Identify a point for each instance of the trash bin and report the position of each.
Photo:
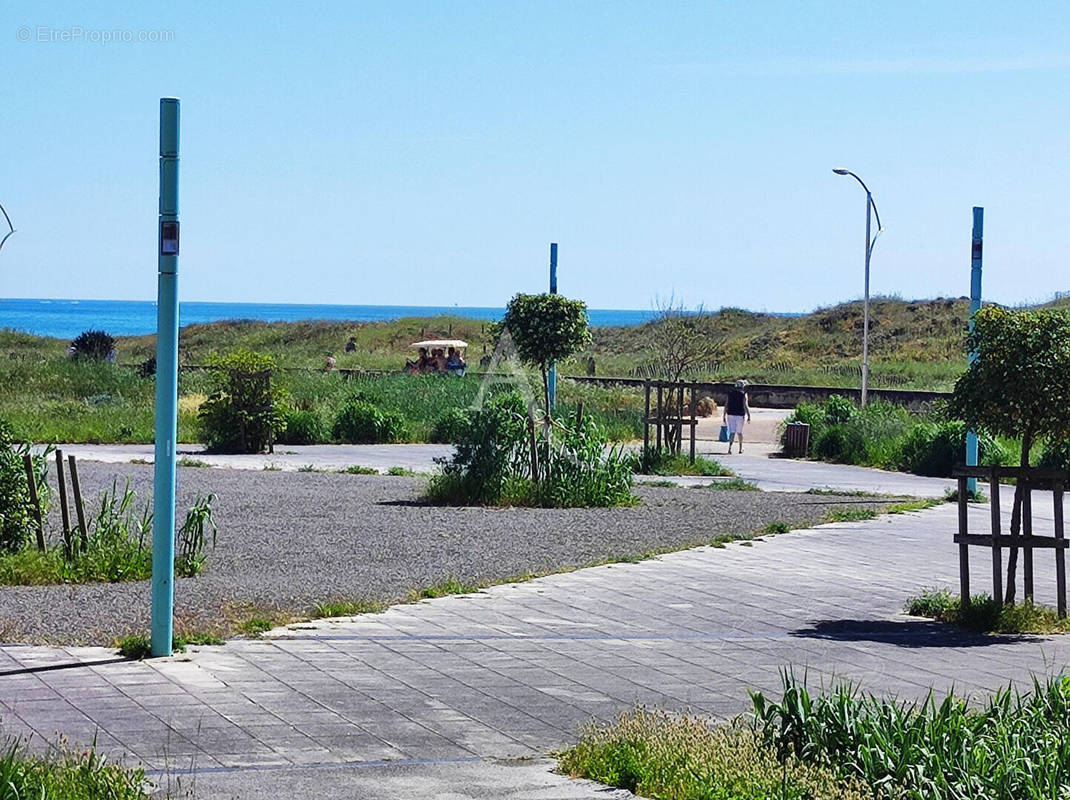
(797, 440)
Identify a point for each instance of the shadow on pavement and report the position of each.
(67, 665)
(904, 633)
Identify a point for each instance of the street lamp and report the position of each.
(869, 250)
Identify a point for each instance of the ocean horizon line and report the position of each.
(65, 318)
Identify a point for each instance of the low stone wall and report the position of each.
(764, 395)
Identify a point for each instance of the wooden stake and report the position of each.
(579, 413)
(997, 558)
(35, 501)
(65, 512)
(534, 449)
(79, 506)
(964, 549)
(1060, 552)
(1027, 532)
(693, 426)
(646, 416)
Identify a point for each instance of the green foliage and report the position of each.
(447, 587)
(360, 422)
(302, 427)
(1056, 455)
(546, 328)
(1011, 747)
(345, 608)
(734, 485)
(450, 428)
(492, 465)
(983, 615)
(934, 448)
(93, 345)
(14, 495)
(118, 546)
(850, 515)
(134, 646)
(357, 469)
(255, 626)
(193, 537)
(653, 461)
(244, 409)
(887, 436)
(1019, 384)
(680, 757)
(66, 775)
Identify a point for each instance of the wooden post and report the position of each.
(646, 416)
(1027, 532)
(997, 559)
(1060, 552)
(35, 501)
(694, 387)
(659, 414)
(579, 414)
(679, 418)
(534, 449)
(79, 506)
(964, 549)
(65, 512)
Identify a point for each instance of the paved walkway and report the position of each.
(440, 699)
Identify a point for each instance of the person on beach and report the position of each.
(735, 411)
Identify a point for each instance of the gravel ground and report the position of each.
(288, 540)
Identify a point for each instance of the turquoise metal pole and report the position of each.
(552, 382)
(976, 251)
(163, 519)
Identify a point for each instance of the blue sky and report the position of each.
(427, 153)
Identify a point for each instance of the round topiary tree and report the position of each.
(546, 328)
(1018, 386)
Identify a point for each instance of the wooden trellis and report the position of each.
(996, 541)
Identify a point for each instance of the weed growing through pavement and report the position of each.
(402, 472)
(357, 469)
(447, 587)
(186, 461)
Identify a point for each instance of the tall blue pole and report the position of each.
(975, 305)
(552, 382)
(163, 512)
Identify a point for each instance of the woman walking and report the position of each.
(735, 410)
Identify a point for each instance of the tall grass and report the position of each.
(843, 744)
(66, 776)
(1014, 746)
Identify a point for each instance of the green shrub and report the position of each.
(1056, 456)
(492, 464)
(94, 345)
(935, 448)
(839, 410)
(302, 427)
(982, 614)
(14, 495)
(243, 412)
(360, 422)
(450, 428)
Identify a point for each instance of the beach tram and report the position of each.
(438, 357)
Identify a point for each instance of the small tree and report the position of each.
(546, 328)
(243, 411)
(1019, 386)
(679, 343)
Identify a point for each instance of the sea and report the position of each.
(65, 319)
